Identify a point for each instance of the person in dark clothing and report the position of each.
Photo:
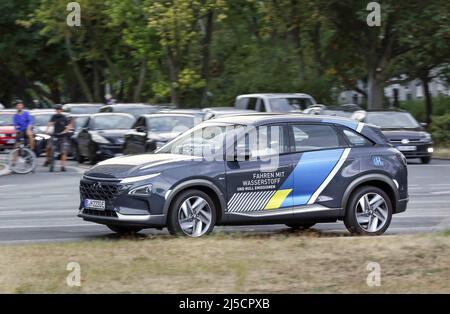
(61, 127)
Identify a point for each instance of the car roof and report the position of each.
(168, 114)
(277, 95)
(131, 105)
(111, 114)
(83, 104)
(264, 118)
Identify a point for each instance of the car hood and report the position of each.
(137, 165)
(7, 129)
(163, 137)
(392, 134)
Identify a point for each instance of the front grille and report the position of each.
(101, 191)
(399, 141)
(99, 213)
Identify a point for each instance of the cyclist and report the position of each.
(61, 127)
(24, 125)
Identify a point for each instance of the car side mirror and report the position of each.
(141, 129)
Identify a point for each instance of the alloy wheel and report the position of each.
(195, 216)
(372, 212)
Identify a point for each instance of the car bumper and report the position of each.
(401, 206)
(121, 207)
(7, 142)
(420, 151)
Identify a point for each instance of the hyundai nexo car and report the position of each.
(297, 170)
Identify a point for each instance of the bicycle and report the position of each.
(22, 160)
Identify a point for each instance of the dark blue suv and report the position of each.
(253, 169)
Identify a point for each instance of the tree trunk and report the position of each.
(375, 91)
(141, 81)
(79, 76)
(206, 54)
(174, 72)
(428, 99)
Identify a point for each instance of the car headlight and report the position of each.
(426, 137)
(99, 139)
(140, 178)
(2, 135)
(142, 190)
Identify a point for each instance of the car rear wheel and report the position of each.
(124, 230)
(369, 211)
(300, 226)
(192, 214)
(426, 160)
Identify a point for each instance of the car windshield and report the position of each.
(137, 112)
(198, 142)
(113, 122)
(41, 119)
(6, 119)
(289, 104)
(79, 122)
(170, 124)
(84, 109)
(392, 120)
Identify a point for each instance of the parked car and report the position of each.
(78, 121)
(136, 110)
(326, 169)
(274, 102)
(102, 136)
(7, 130)
(402, 131)
(41, 117)
(151, 132)
(82, 108)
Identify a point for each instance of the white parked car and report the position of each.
(294, 102)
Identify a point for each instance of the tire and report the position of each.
(93, 158)
(300, 226)
(124, 230)
(199, 220)
(425, 160)
(378, 218)
(78, 156)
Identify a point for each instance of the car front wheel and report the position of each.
(192, 214)
(369, 211)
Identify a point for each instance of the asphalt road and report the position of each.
(42, 207)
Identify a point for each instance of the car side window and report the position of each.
(314, 137)
(264, 140)
(252, 103)
(356, 140)
(260, 105)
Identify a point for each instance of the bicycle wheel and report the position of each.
(22, 160)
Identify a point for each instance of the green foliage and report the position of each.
(441, 106)
(440, 130)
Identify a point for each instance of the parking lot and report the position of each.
(43, 207)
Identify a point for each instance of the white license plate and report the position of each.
(407, 148)
(10, 141)
(95, 204)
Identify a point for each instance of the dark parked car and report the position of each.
(82, 108)
(78, 121)
(102, 136)
(402, 131)
(41, 117)
(136, 110)
(151, 132)
(312, 169)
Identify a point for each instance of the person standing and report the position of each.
(23, 122)
(61, 127)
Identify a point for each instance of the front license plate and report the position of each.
(10, 141)
(95, 204)
(407, 148)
